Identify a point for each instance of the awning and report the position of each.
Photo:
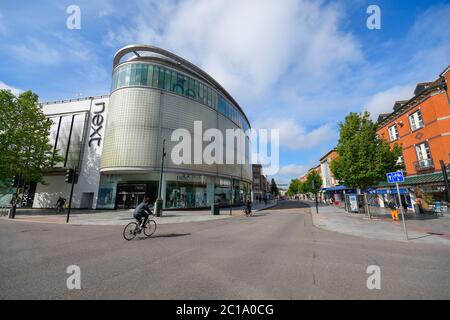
(336, 188)
(417, 179)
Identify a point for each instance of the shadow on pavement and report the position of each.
(420, 237)
(168, 235)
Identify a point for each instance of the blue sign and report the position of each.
(393, 177)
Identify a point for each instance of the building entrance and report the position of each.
(129, 195)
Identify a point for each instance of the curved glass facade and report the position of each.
(150, 75)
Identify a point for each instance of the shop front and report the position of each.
(179, 190)
(432, 198)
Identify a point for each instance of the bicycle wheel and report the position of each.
(151, 228)
(130, 231)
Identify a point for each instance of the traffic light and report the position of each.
(15, 181)
(70, 175)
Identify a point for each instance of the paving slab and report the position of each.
(421, 231)
(122, 217)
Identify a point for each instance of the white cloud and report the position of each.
(383, 102)
(294, 136)
(295, 170)
(35, 51)
(13, 90)
(248, 46)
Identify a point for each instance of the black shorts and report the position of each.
(139, 216)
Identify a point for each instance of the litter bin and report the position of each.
(215, 210)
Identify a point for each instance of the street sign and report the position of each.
(396, 177)
(393, 177)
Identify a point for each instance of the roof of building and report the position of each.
(445, 71)
(399, 103)
(420, 94)
(161, 54)
(414, 101)
(381, 116)
(74, 100)
(327, 154)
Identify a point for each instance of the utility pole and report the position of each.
(401, 210)
(159, 201)
(313, 185)
(72, 178)
(446, 183)
(16, 184)
(231, 197)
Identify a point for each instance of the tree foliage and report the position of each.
(294, 187)
(364, 158)
(309, 185)
(24, 142)
(298, 187)
(274, 188)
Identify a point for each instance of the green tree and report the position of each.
(364, 158)
(274, 188)
(24, 144)
(309, 185)
(303, 188)
(294, 187)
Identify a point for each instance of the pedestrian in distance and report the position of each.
(394, 211)
(248, 207)
(405, 206)
(60, 204)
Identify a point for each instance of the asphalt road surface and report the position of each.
(277, 254)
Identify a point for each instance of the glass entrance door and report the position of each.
(130, 195)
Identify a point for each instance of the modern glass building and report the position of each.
(115, 142)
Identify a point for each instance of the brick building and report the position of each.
(421, 125)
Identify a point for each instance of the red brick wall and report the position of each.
(436, 131)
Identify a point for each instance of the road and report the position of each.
(277, 254)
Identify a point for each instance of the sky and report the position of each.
(296, 65)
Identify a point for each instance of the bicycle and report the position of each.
(132, 229)
(248, 211)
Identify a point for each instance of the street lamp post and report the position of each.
(159, 201)
(231, 197)
(313, 185)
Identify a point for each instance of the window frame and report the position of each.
(412, 121)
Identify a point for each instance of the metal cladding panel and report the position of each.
(138, 117)
(132, 128)
(181, 113)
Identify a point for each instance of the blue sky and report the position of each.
(299, 66)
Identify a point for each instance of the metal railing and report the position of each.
(425, 164)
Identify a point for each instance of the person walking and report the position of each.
(394, 211)
(60, 204)
(404, 205)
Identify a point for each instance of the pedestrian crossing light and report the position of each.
(70, 175)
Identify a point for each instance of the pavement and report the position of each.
(276, 254)
(122, 217)
(432, 230)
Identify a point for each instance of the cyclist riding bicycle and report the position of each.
(142, 211)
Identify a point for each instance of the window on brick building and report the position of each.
(415, 120)
(393, 132)
(424, 155)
